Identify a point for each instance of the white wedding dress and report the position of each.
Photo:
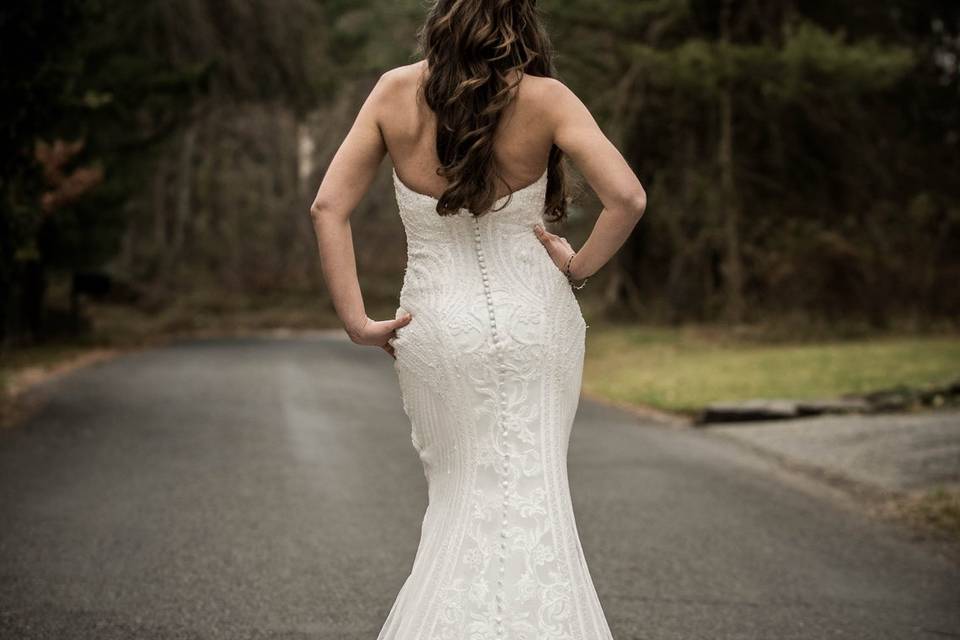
(490, 369)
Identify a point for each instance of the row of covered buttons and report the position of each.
(506, 454)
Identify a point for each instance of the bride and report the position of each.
(488, 338)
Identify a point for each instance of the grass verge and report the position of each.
(683, 369)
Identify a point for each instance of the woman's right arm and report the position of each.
(624, 200)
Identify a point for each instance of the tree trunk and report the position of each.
(733, 264)
(33, 293)
(182, 203)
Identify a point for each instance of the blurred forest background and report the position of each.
(159, 159)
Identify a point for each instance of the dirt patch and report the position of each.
(16, 403)
(934, 511)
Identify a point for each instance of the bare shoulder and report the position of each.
(393, 89)
(557, 100)
(541, 86)
(402, 77)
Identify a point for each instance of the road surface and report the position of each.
(267, 488)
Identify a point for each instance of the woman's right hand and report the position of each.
(378, 333)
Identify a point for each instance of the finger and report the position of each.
(402, 321)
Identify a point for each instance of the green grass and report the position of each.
(683, 369)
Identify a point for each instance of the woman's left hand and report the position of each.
(557, 247)
(378, 333)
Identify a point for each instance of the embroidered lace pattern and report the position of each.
(490, 369)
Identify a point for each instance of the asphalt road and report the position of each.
(267, 488)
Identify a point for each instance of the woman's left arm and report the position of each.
(350, 174)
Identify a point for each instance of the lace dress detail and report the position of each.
(490, 369)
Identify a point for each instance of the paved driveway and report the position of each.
(267, 488)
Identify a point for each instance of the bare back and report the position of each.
(521, 145)
(394, 121)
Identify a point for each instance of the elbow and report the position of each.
(316, 210)
(637, 204)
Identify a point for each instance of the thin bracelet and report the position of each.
(566, 271)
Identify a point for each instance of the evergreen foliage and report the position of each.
(801, 158)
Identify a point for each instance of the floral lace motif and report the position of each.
(490, 371)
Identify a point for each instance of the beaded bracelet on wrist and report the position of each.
(566, 271)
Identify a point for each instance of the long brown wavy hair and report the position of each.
(474, 50)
